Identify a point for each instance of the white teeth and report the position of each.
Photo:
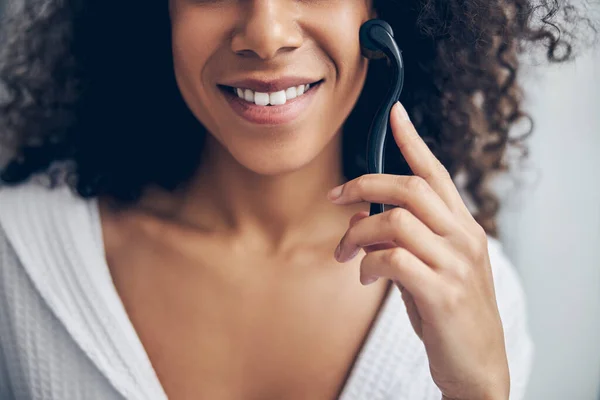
(261, 99)
(291, 93)
(248, 95)
(277, 98)
(274, 99)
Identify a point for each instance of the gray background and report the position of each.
(551, 228)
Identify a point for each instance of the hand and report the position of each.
(433, 249)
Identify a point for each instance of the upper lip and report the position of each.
(270, 86)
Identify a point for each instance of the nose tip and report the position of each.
(266, 31)
(264, 51)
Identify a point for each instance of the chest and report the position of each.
(231, 328)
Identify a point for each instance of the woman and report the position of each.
(195, 259)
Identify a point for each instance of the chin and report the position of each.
(277, 162)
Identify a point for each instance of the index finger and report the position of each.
(422, 161)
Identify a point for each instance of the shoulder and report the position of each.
(15, 231)
(11, 291)
(33, 217)
(40, 293)
(35, 190)
(8, 258)
(35, 203)
(23, 208)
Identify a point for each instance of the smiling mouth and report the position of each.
(270, 99)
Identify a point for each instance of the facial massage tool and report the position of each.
(377, 41)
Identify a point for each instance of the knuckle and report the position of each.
(452, 300)
(481, 234)
(472, 246)
(461, 273)
(399, 180)
(397, 216)
(398, 256)
(360, 184)
(477, 243)
(416, 184)
(401, 195)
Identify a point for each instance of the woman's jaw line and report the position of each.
(228, 197)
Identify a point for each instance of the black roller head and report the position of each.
(370, 48)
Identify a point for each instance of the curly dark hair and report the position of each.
(92, 84)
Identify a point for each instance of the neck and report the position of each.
(278, 210)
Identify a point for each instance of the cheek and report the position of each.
(340, 40)
(195, 36)
(340, 46)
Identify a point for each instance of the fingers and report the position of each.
(409, 192)
(379, 246)
(399, 264)
(357, 217)
(400, 227)
(422, 161)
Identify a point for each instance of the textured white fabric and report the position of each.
(64, 333)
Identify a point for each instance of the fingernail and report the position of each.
(335, 193)
(354, 254)
(338, 249)
(402, 112)
(369, 280)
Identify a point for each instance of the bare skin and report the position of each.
(231, 282)
(222, 318)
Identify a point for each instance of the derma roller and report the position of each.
(377, 41)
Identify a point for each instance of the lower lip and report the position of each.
(271, 115)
